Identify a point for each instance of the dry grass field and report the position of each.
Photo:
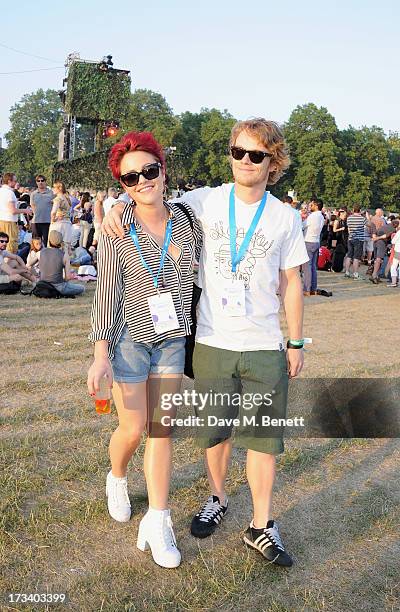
(337, 501)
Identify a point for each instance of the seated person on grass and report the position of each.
(32, 262)
(12, 267)
(54, 262)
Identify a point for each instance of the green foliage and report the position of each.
(312, 136)
(33, 137)
(96, 94)
(307, 127)
(341, 166)
(319, 173)
(391, 192)
(88, 172)
(358, 190)
(149, 111)
(367, 150)
(210, 162)
(2, 161)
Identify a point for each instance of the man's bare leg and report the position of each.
(260, 469)
(377, 266)
(217, 461)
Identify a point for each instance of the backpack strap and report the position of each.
(185, 211)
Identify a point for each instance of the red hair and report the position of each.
(134, 141)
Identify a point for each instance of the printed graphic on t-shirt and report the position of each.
(258, 249)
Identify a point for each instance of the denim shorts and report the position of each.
(134, 361)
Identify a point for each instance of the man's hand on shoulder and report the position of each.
(112, 225)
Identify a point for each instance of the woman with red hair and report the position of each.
(140, 317)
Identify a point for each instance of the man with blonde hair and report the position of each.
(239, 345)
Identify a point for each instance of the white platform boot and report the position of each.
(156, 533)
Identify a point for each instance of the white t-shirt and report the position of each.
(6, 196)
(33, 260)
(313, 226)
(396, 241)
(277, 244)
(109, 203)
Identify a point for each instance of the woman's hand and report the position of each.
(111, 225)
(100, 367)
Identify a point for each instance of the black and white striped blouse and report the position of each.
(123, 284)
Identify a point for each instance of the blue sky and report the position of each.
(252, 58)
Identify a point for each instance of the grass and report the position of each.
(337, 501)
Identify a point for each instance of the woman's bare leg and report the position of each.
(131, 403)
(158, 453)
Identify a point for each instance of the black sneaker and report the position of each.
(268, 542)
(207, 520)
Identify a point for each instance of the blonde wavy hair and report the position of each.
(270, 135)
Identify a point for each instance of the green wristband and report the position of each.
(297, 342)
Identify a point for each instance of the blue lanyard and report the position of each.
(236, 258)
(167, 240)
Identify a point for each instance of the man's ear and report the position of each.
(273, 166)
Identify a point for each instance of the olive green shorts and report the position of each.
(246, 391)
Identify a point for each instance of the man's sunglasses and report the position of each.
(4, 241)
(150, 172)
(41, 180)
(256, 157)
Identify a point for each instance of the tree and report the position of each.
(390, 191)
(367, 150)
(211, 162)
(312, 136)
(33, 137)
(187, 141)
(2, 160)
(357, 189)
(149, 111)
(202, 146)
(319, 173)
(308, 126)
(394, 152)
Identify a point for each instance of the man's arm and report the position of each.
(13, 210)
(16, 258)
(292, 296)
(112, 221)
(67, 267)
(32, 203)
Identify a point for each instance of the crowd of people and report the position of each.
(339, 240)
(49, 234)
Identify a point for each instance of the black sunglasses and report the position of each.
(41, 180)
(4, 241)
(256, 157)
(151, 171)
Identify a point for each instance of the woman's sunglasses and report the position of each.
(150, 172)
(256, 157)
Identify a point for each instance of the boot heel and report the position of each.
(142, 543)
